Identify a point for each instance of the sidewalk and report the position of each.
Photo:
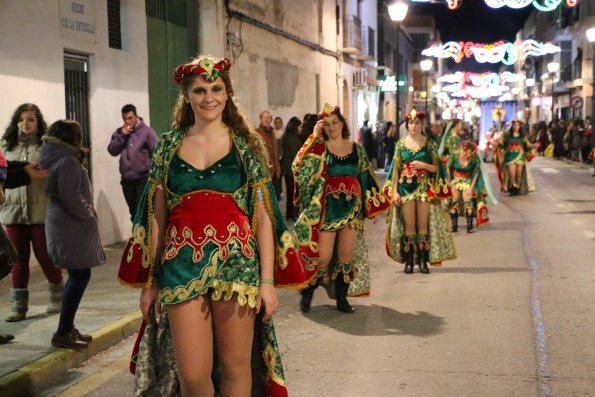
(108, 311)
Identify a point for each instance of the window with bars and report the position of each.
(114, 26)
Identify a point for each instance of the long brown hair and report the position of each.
(232, 117)
(11, 135)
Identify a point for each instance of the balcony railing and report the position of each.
(352, 34)
(368, 44)
(566, 73)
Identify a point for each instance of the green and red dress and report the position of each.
(210, 245)
(514, 150)
(336, 192)
(419, 185)
(462, 176)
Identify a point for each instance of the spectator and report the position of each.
(390, 140)
(367, 140)
(278, 131)
(587, 142)
(134, 142)
(23, 214)
(270, 143)
(73, 236)
(542, 137)
(308, 124)
(575, 139)
(291, 145)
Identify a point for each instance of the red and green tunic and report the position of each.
(335, 192)
(209, 243)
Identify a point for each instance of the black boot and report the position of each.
(454, 219)
(423, 254)
(407, 252)
(307, 294)
(341, 289)
(470, 224)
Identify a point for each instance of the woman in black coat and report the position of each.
(291, 143)
(71, 224)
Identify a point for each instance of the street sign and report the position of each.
(576, 102)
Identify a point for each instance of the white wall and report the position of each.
(253, 82)
(32, 70)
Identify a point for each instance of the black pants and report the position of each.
(133, 191)
(291, 211)
(277, 185)
(78, 279)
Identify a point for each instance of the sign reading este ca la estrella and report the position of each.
(77, 20)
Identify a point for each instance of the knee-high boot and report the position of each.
(454, 217)
(307, 294)
(469, 214)
(343, 274)
(423, 253)
(408, 253)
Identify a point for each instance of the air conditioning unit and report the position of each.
(360, 77)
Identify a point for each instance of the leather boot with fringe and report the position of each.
(423, 253)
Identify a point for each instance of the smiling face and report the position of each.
(28, 122)
(414, 126)
(207, 99)
(333, 127)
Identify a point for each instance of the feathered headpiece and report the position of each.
(327, 110)
(414, 114)
(205, 66)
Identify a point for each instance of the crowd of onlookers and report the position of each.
(572, 139)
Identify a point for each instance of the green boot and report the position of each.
(19, 299)
(55, 291)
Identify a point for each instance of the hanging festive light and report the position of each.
(509, 77)
(450, 49)
(533, 48)
(484, 79)
(499, 51)
(541, 5)
(458, 77)
(505, 53)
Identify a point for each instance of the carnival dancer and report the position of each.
(512, 160)
(209, 243)
(416, 181)
(452, 138)
(469, 183)
(337, 188)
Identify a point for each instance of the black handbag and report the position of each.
(7, 254)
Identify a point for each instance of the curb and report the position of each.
(25, 380)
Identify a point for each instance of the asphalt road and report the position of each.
(512, 316)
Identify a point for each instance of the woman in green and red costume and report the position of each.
(416, 182)
(209, 243)
(469, 183)
(512, 160)
(337, 188)
(452, 138)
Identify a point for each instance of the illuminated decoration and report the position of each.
(481, 79)
(541, 5)
(388, 84)
(509, 77)
(533, 48)
(505, 53)
(452, 87)
(458, 77)
(499, 51)
(451, 49)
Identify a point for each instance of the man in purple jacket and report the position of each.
(134, 142)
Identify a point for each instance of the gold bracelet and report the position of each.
(267, 281)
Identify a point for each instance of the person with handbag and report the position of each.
(73, 240)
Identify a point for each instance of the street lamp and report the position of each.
(553, 68)
(398, 12)
(426, 65)
(591, 38)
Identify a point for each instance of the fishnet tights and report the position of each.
(195, 325)
(416, 215)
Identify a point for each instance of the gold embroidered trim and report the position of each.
(270, 358)
(344, 221)
(187, 237)
(377, 197)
